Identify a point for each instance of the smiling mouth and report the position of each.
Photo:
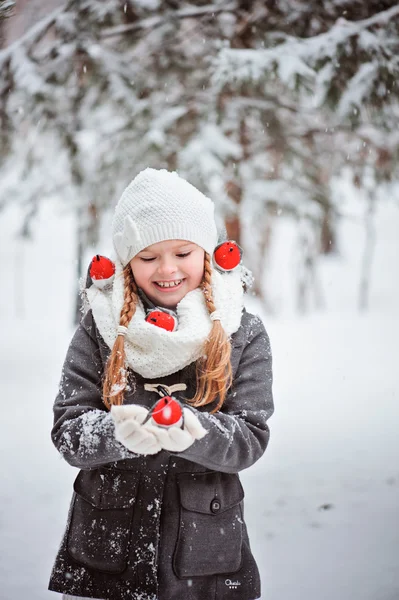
(168, 285)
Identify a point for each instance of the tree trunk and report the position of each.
(327, 234)
(364, 288)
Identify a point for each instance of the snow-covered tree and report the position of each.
(6, 7)
(260, 104)
(321, 89)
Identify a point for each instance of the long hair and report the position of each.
(213, 370)
(115, 378)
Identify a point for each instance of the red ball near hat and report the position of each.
(102, 271)
(227, 256)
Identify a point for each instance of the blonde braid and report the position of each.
(115, 379)
(214, 375)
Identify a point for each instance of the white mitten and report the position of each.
(175, 439)
(130, 432)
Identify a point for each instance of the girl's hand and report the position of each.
(149, 438)
(176, 439)
(130, 432)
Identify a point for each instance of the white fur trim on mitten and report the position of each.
(175, 439)
(130, 432)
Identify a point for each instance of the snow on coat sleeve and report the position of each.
(83, 430)
(238, 434)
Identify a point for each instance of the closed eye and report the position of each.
(180, 255)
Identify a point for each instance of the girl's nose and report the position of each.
(167, 267)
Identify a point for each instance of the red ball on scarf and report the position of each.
(162, 319)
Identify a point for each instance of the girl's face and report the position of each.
(168, 270)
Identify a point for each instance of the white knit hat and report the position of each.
(159, 205)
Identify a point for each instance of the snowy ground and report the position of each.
(321, 505)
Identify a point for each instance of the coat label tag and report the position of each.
(232, 585)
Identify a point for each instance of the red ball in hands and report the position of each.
(227, 256)
(161, 319)
(102, 271)
(167, 412)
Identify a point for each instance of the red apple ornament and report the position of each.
(102, 271)
(227, 256)
(167, 412)
(162, 319)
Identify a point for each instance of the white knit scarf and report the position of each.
(154, 352)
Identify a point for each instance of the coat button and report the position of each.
(215, 505)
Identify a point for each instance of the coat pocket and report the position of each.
(100, 527)
(211, 524)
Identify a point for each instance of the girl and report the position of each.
(157, 511)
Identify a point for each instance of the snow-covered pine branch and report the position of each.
(34, 34)
(6, 7)
(182, 13)
(351, 64)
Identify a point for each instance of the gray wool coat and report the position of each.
(168, 526)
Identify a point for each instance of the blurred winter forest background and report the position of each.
(286, 114)
(265, 106)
